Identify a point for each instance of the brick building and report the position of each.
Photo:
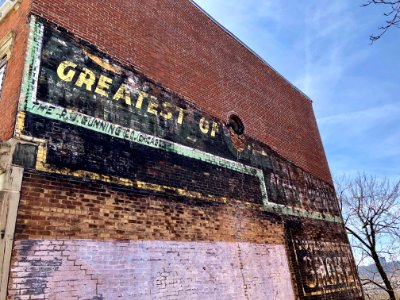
(147, 154)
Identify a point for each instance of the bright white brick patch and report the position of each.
(85, 269)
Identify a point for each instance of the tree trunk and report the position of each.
(386, 281)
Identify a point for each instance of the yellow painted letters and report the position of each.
(86, 78)
(152, 108)
(71, 72)
(123, 93)
(141, 96)
(181, 114)
(204, 125)
(214, 129)
(103, 85)
(166, 112)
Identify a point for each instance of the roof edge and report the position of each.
(248, 48)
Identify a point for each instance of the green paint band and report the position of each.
(71, 117)
(32, 64)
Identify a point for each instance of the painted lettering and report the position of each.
(86, 78)
(214, 129)
(124, 93)
(166, 113)
(49, 110)
(152, 107)
(103, 85)
(204, 125)
(84, 120)
(63, 114)
(141, 96)
(180, 115)
(62, 68)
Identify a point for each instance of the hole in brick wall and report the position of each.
(236, 124)
(236, 130)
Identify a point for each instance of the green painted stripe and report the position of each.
(71, 117)
(32, 64)
(292, 211)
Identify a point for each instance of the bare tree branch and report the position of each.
(392, 17)
(369, 281)
(371, 211)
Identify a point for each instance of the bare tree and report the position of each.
(371, 212)
(392, 16)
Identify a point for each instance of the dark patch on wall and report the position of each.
(81, 149)
(25, 155)
(94, 210)
(39, 271)
(41, 261)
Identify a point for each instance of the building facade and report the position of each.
(146, 153)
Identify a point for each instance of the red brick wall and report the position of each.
(174, 43)
(77, 240)
(15, 21)
(52, 208)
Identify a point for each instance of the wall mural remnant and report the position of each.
(181, 177)
(323, 264)
(102, 118)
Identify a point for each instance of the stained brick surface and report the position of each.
(164, 209)
(93, 240)
(242, 256)
(71, 146)
(58, 208)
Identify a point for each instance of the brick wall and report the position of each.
(15, 21)
(93, 240)
(52, 208)
(321, 260)
(76, 239)
(86, 144)
(144, 194)
(157, 270)
(175, 44)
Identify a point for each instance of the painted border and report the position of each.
(29, 103)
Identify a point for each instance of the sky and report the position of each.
(323, 48)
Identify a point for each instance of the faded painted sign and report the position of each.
(74, 78)
(78, 100)
(322, 261)
(325, 267)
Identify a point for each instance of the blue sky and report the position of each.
(323, 48)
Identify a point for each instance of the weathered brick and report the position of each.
(130, 221)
